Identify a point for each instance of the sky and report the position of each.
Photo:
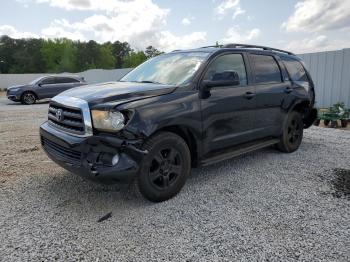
(301, 26)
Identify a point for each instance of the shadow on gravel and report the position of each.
(341, 182)
(10, 103)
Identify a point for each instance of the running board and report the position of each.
(243, 149)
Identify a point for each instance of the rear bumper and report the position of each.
(310, 118)
(90, 157)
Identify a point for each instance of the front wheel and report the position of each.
(28, 98)
(164, 170)
(292, 133)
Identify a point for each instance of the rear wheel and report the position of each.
(28, 98)
(165, 168)
(344, 123)
(334, 123)
(292, 133)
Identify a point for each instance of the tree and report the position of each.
(105, 59)
(63, 55)
(134, 59)
(152, 52)
(59, 55)
(120, 51)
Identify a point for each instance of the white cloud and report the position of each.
(229, 6)
(234, 35)
(59, 32)
(14, 33)
(316, 44)
(168, 41)
(186, 21)
(139, 22)
(319, 15)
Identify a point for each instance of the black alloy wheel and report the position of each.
(164, 170)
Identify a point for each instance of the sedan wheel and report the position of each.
(28, 99)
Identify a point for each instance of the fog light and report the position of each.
(115, 159)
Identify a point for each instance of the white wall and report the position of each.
(330, 72)
(91, 76)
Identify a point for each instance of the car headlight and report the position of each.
(108, 120)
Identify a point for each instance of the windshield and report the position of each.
(170, 69)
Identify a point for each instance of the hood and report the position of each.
(117, 92)
(17, 86)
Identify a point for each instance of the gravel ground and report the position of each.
(262, 206)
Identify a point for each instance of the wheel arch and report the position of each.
(30, 91)
(308, 113)
(188, 136)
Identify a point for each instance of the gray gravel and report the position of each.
(262, 206)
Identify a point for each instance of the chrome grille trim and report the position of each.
(77, 103)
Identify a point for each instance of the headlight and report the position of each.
(108, 120)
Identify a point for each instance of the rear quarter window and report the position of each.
(266, 69)
(295, 69)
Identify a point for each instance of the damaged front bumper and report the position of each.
(104, 158)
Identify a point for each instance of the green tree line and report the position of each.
(63, 55)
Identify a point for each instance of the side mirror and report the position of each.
(226, 78)
(40, 84)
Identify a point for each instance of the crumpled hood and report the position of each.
(117, 91)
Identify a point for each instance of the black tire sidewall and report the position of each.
(164, 139)
(284, 144)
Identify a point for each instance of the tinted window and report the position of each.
(295, 69)
(231, 62)
(266, 69)
(47, 81)
(64, 80)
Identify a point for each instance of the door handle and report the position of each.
(288, 89)
(249, 95)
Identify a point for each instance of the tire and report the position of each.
(334, 123)
(28, 98)
(344, 123)
(292, 133)
(166, 167)
(326, 122)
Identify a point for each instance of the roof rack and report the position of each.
(256, 46)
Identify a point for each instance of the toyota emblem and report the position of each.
(59, 115)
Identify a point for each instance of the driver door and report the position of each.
(228, 112)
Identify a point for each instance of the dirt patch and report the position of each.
(341, 182)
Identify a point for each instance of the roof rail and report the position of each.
(211, 46)
(256, 46)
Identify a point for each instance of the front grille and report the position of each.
(65, 154)
(71, 121)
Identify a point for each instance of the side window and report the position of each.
(230, 62)
(65, 80)
(47, 81)
(266, 69)
(295, 69)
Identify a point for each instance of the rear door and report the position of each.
(65, 83)
(227, 111)
(271, 93)
(47, 88)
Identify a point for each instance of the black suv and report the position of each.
(181, 110)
